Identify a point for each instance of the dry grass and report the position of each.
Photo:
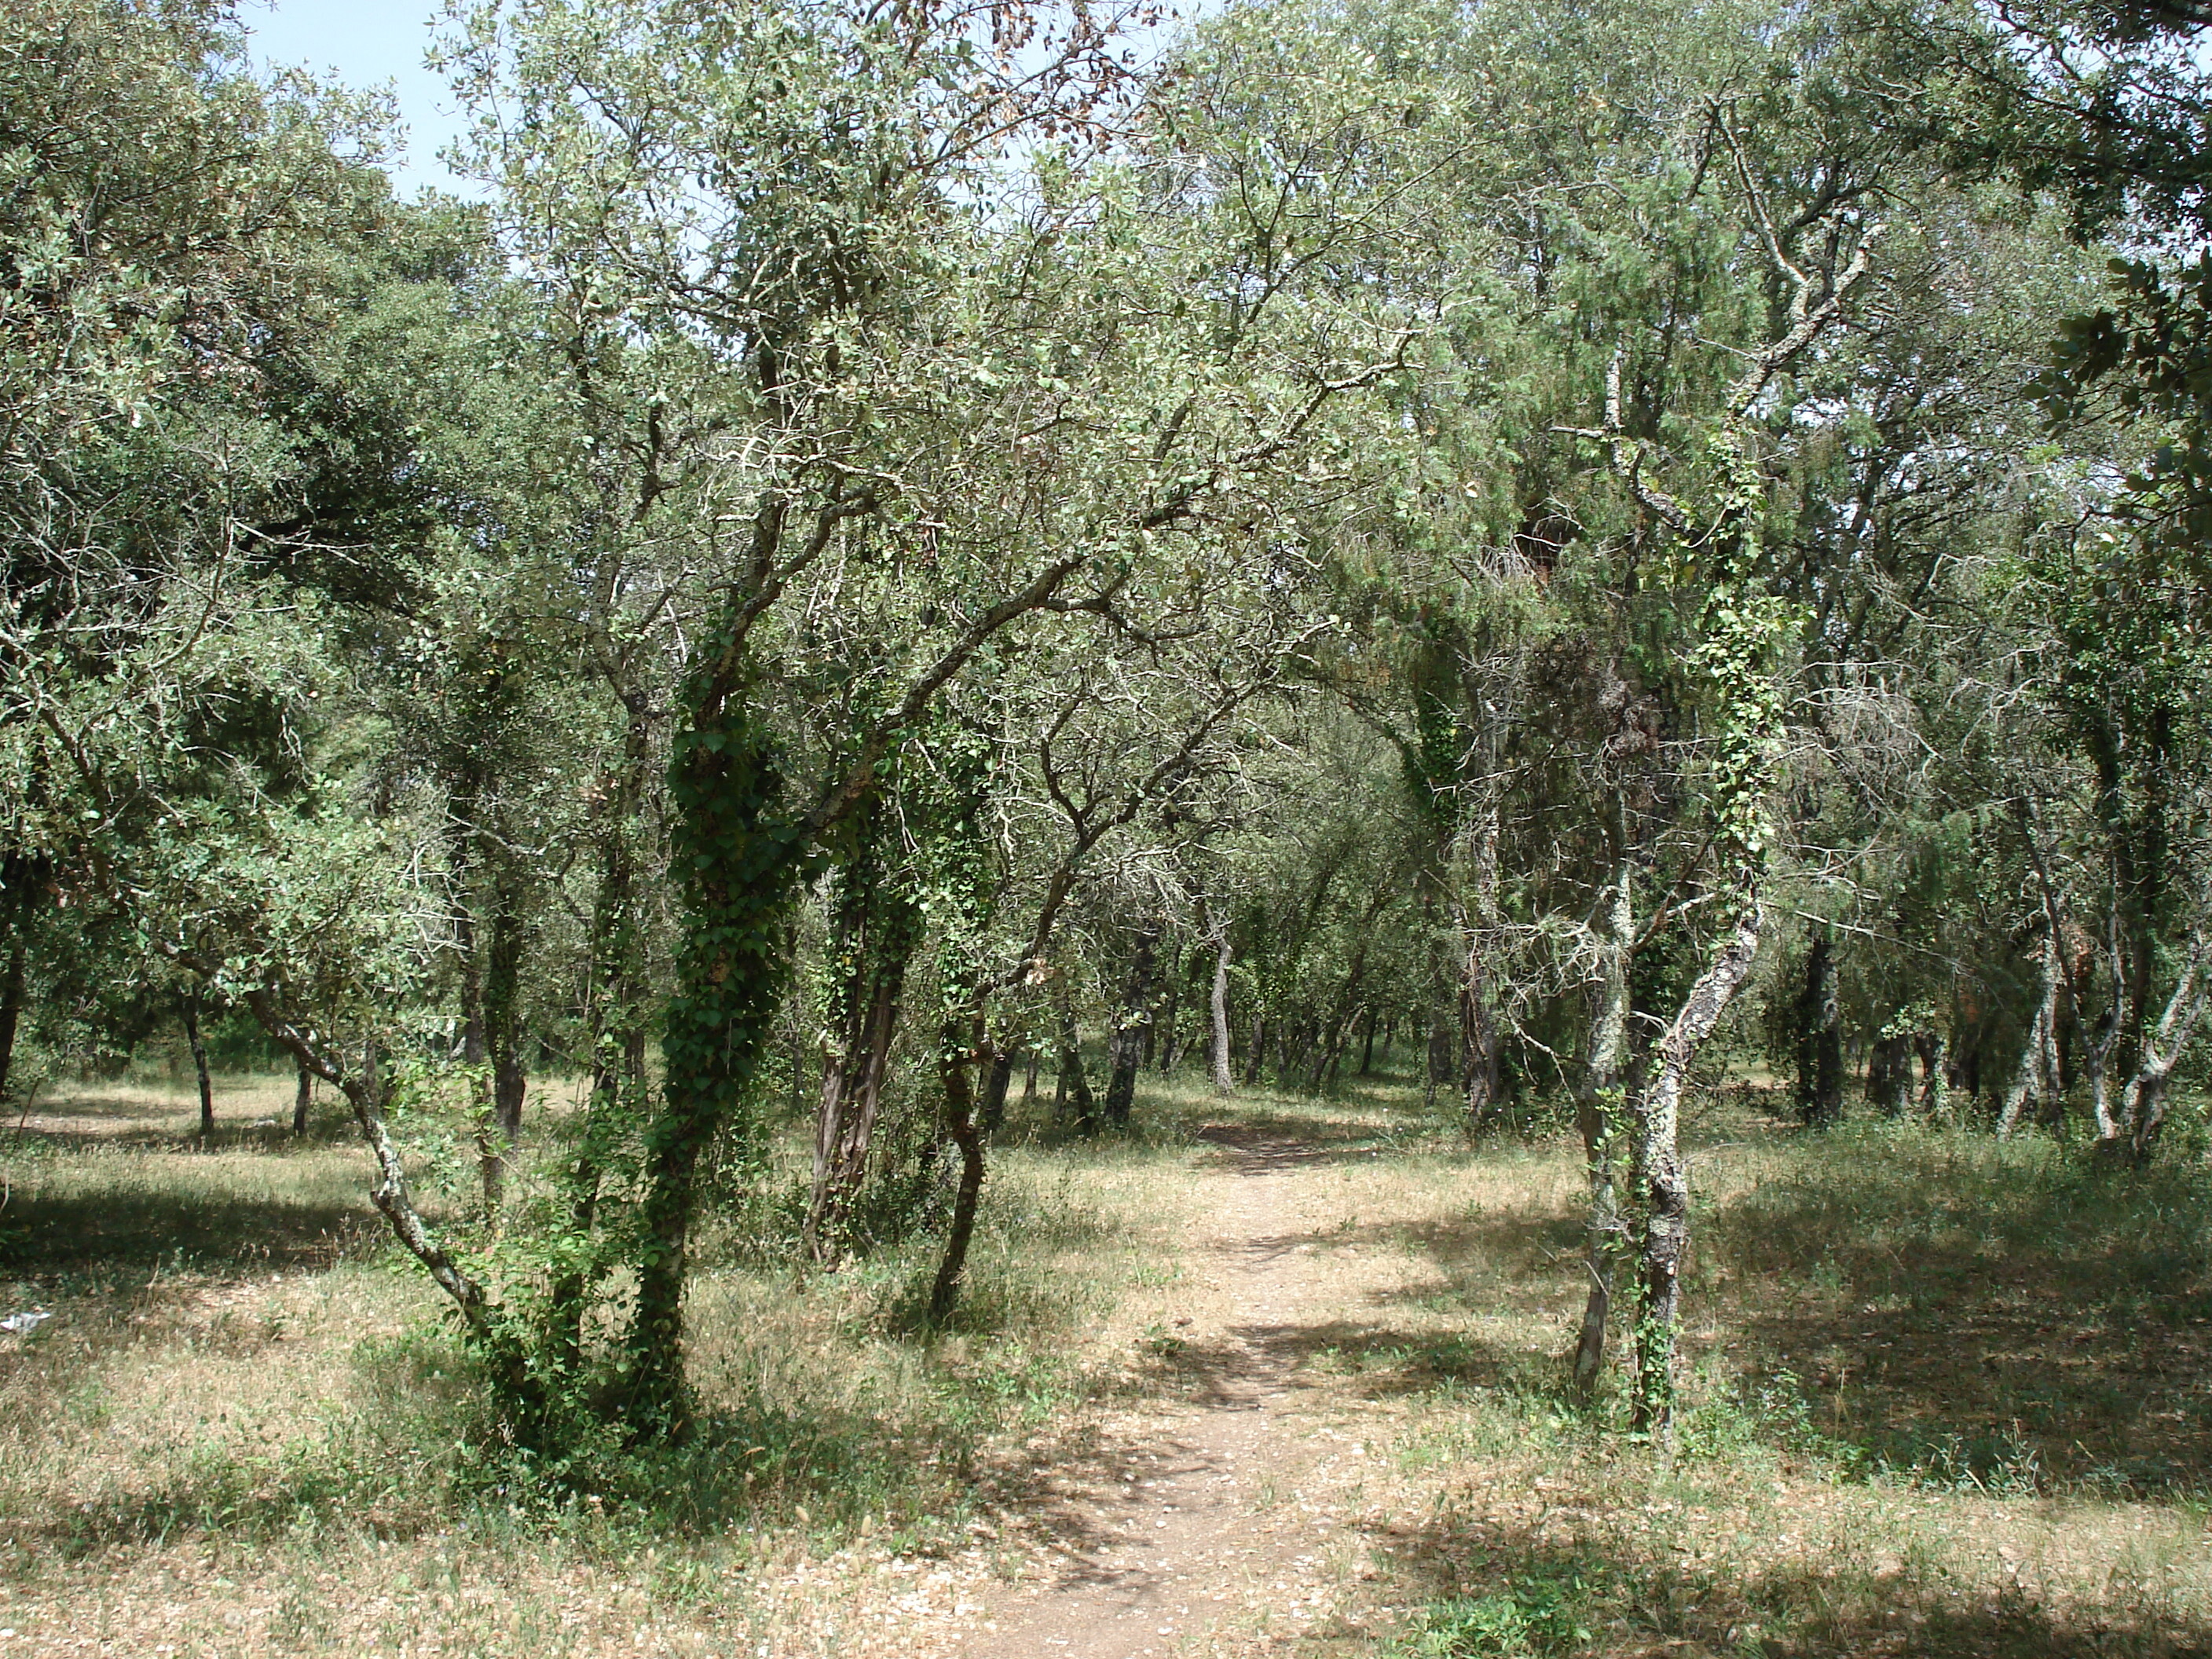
(242, 1429)
(1882, 1450)
(1945, 1398)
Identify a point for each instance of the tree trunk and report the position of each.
(1934, 1053)
(2038, 1076)
(1224, 1079)
(1160, 1034)
(1889, 1071)
(740, 864)
(474, 1051)
(1442, 1030)
(1074, 1086)
(1478, 1034)
(1663, 1179)
(852, 1095)
(1256, 1059)
(875, 934)
(11, 1008)
(1820, 1035)
(960, 1119)
(200, 1066)
(997, 1078)
(503, 1035)
(365, 1093)
(21, 897)
(301, 1100)
(1124, 1048)
(618, 1092)
(1598, 1116)
(2143, 1107)
(1367, 1046)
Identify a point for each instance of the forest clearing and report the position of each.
(1278, 1376)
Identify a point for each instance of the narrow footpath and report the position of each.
(1218, 1515)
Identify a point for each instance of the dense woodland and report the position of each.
(911, 558)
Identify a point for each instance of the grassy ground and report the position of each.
(1944, 1397)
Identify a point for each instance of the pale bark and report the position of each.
(364, 1093)
(2038, 1078)
(11, 989)
(1598, 1115)
(1477, 1018)
(1224, 1079)
(1663, 1178)
(2143, 1105)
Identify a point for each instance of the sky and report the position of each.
(368, 43)
(375, 42)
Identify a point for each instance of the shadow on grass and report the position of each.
(129, 1235)
(1982, 1313)
(1259, 1142)
(1252, 1360)
(1519, 1586)
(70, 1133)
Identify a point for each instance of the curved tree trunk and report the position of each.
(1663, 1179)
(960, 1119)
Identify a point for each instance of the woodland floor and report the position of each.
(1274, 1377)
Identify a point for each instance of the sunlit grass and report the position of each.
(1941, 1396)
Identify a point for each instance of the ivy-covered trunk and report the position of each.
(737, 857)
(877, 924)
(618, 1024)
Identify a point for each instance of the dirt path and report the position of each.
(1213, 1519)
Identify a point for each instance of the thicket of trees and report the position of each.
(905, 548)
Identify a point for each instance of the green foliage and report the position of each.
(1535, 1617)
